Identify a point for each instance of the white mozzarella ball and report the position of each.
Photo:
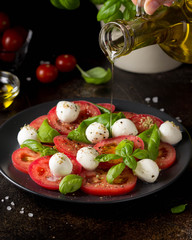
(60, 165)
(124, 126)
(86, 157)
(170, 133)
(96, 132)
(67, 111)
(147, 170)
(27, 132)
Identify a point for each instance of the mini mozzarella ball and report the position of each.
(27, 132)
(60, 165)
(170, 133)
(86, 157)
(67, 111)
(124, 126)
(147, 170)
(96, 132)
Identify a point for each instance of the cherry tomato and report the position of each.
(12, 40)
(46, 73)
(65, 62)
(87, 110)
(166, 156)
(23, 157)
(95, 183)
(4, 21)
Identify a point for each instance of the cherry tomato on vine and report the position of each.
(65, 62)
(4, 21)
(46, 73)
(12, 39)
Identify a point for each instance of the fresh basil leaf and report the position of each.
(118, 15)
(124, 148)
(114, 172)
(96, 75)
(70, 183)
(78, 134)
(46, 133)
(131, 162)
(33, 145)
(57, 4)
(140, 153)
(129, 11)
(179, 208)
(47, 151)
(153, 145)
(108, 9)
(107, 157)
(70, 4)
(103, 109)
(98, 1)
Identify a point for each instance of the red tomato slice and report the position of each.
(166, 156)
(40, 173)
(36, 123)
(95, 183)
(110, 107)
(67, 146)
(145, 121)
(87, 110)
(109, 145)
(23, 157)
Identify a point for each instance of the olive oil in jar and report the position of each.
(170, 27)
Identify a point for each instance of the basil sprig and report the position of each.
(125, 151)
(46, 133)
(38, 147)
(97, 75)
(79, 133)
(70, 183)
(151, 138)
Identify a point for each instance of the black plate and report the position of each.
(8, 143)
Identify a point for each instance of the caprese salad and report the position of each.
(82, 146)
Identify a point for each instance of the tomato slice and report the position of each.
(95, 183)
(127, 114)
(36, 123)
(40, 173)
(145, 121)
(23, 157)
(110, 107)
(109, 145)
(87, 110)
(166, 156)
(67, 146)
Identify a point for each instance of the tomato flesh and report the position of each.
(87, 110)
(23, 157)
(36, 123)
(67, 146)
(166, 156)
(108, 146)
(95, 183)
(145, 121)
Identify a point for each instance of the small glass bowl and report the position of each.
(11, 60)
(9, 89)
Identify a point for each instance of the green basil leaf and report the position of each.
(96, 75)
(124, 148)
(140, 153)
(106, 157)
(78, 134)
(57, 4)
(108, 9)
(114, 172)
(153, 145)
(129, 11)
(70, 4)
(131, 162)
(70, 183)
(102, 109)
(47, 151)
(98, 1)
(179, 208)
(33, 145)
(118, 15)
(46, 133)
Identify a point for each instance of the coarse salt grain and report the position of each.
(155, 99)
(178, 119)
(147, 99)
(7, 197)
(28, 79)
(162, 109)
(30, 214)
(9, 208)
